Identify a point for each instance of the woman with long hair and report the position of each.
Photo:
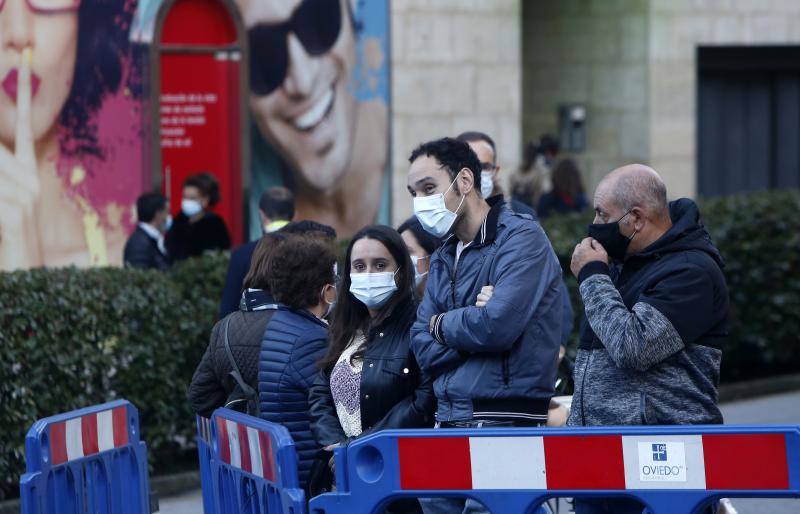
(567, 194)
(369, 379)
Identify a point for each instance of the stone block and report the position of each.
(679, 174)
(766, 28)
(676, 37)
(672, 138)
(428, 37)
(426, 89)
(672, 90)
(398, 30)
(728, 29)
(633, 38)
(619, 86)
(634, 143)
(498, 89)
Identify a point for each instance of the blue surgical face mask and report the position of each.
(418, 277)
(433, 214)
(190, 207)
(487, 183)
(373, 289)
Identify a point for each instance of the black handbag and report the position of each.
(321, 477)
(243, 398)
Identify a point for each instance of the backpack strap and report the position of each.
(249, 392)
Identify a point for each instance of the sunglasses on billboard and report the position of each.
(316, 23)
(49, 6)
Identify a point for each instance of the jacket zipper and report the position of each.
(505, 368)
(583, 385)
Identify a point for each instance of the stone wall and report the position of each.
(592, 52)
(455, 67)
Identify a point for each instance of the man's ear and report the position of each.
(466, 181)
(638, 218)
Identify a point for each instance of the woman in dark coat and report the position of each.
(302, 280)
(196, 229)
(212, 383)
(370, 380)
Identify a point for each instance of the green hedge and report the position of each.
(71, 338)
(758, 235)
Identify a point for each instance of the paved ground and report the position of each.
(769, 410)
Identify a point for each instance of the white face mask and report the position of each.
(330, 304)
(418, 277)
(433, 214)
(190, 207)
(487, 183)
(373, 289)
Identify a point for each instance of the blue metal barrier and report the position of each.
(88, 461)
(253, 466)
(204, 455)
(671, 470)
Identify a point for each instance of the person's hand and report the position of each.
(19, 184)
(331, 462)
(484, 296)
(588, 250)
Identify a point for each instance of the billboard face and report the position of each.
(70, 133)
(319, 101)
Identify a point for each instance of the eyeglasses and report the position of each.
(49, 6)
(316, 23)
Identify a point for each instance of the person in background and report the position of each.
(656, 306)
(302, 280)
(370, 379)
(421, 246)
(494, 363)
(485, 149)
(275, 210)
(533, 179)
(196, 229)
(567, 194)
(212, 383)
(145, 247)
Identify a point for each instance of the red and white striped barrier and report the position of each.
(246, 448)
(595, 462)
(88, 435)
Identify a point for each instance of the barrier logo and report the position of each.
(662, 462)
(659, 452)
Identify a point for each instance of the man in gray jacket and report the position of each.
(656, 308)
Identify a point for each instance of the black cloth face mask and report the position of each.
(608, 235)
(316, 23)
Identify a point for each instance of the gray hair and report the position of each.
(642, 189)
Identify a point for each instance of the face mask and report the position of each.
(190, 207)
(373, 289)
(433, 214)
(487, 183)
(418, 277)
(608, 235)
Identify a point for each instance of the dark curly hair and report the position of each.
(103, 46)
(207, 184)
(299, 269)
(455, 155)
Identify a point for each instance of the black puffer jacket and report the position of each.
(212, 384)
(394, 394)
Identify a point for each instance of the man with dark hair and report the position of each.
(494, 363)
(145, 247)
(485, 149)
(275, 210)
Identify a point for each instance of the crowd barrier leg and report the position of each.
(88, 461)
(252, 467)
(204, 454)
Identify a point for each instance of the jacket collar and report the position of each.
(256, 300)
(488, 229)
